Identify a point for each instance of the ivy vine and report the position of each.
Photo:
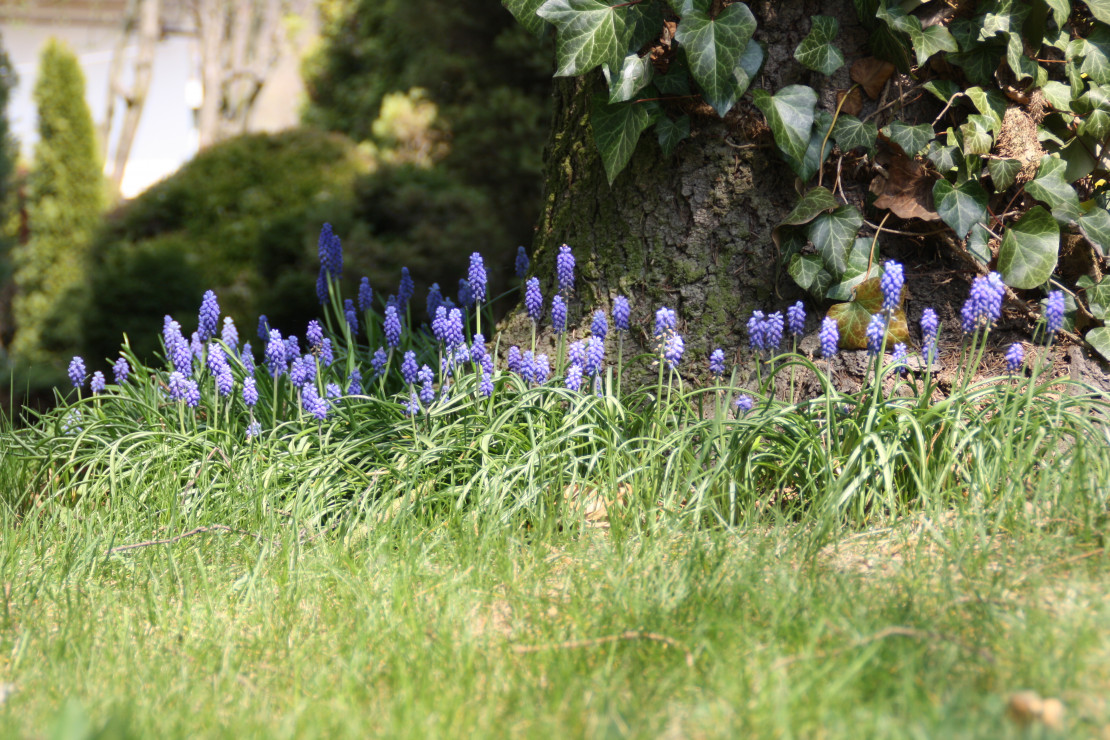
(1015, 165)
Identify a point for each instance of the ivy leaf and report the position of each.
(960, 207)
(976, 135)
(1098, 299)
(748, 66)
(816, 201)
(1062, 9)
(818, 141)
(633, 75)
(590, 33)
(979, 62)
(642, 22)
(978, 244)
(1050, 187)
(942, 90)
(1095, 226)
(856, 272)
(1006, 17)
(1100, 9)
(1030, 249)
(1057, 94)
(789, 113)
(525, 13)
(677, 79)
(1100, 339)
(912, 139)
(1077, 153)
(816, 50)
(671, 132)
(929, 41)
(617, 128)
(1022, 66)
(850, 133)
(853, 318)
(713, 47)
(1096, 55)
(990, 103)
(790, 240)
(833, 235)
(945, 158)
(809, 273)
(1003, 172)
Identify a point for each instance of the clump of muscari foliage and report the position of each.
(376, 410)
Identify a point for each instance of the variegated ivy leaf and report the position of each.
(751, 61)
(850, 133)
(1095, 226)
(1030, 249)
(976, 135)
(1050, 187)
(789, 113)
(633, 75)
(1100, 9)
(713, 47)
(960, 206)
(525, 13)
(990, 104)
(1100, 339)
(912, 139)
(925, 41)
(590, 33)
(1057, 94)
(1096, 55)
(817, 51)
(809, 272)
(833, 234)
(1003, 172)
(817, 151)
(816, 201)
(1098, 296)
(672, 132)
(616, 129)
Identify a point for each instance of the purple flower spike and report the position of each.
(744, 403)
(192, 394)
(314, 335)
(378, 360)
(409, 368)
(466, 295)
(312, 403)
(599, 327)
(543, 369)
(757, 331)
(558, 314)
(477, 276)
(595, 356)
(350, 314)
(439, 324)
(263, 328)
(275, 354)
(365, 295)
(533, 300)
(77, 373)
(250, 392)
(98, 384)
(434, 301)
(898, 355)
(121, 370)
(229, 334)
(486, 386)
(1015, 357)
(930, 328)
(773, 327)
(406, 289)
(891, 285)
(354, 383)
(564, 269)
(665, 321)
(522, 263)
(254, 429)
(717, 362)
(622, 313)
(574, 377)
(876, 330)
(331, 261)
(796, 319)
(454, 328)
(209, 318)
(1054, 312)
(513, 359)
(673, 350)
(829, 337)
(392, 326)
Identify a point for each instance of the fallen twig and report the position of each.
(183, 535)
(595, 641)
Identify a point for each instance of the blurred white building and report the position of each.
(167, 135)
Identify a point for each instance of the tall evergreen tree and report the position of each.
(66, 198)
(8, 154)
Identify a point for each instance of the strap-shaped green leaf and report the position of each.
(672, 132)
(850, 132)
(816, 50)
(713, 47)
(912, 139)
(833, 234)
(616, 129)
(525, 13)
(633, 75)
(789, 113)
(590, 33)
(1029, 250)
(961, 206)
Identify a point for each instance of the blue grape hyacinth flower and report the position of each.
(796, 319)
(406, 289)
(350, 314)
(433, 301)
(744, 403)
(466, 295)
(77, 372)
(622, 313)
(673, 349)
(564, 269)
(522, 263)
(392, 327)
(558, 314)
(121, 370)
(209, 316)
(229, 334)
(772, 332)
(1015, 357)
(354, 383)
(275, 354)
(930, 330)
(365, 295)
(477, 277)
(876, 331)
(891, 285)
(757, 331)
(829, 337)
(533, 300)
(1054, 312)
(98, 383)
(665, 322)
(717, 362)
(250, 392)
(409, 367)
(599, 326)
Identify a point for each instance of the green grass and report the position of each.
(919, 629)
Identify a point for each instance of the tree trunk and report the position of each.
(691, 231)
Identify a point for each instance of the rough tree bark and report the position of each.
(142, 19)
(691, 231)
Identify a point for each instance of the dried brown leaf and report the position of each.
(905, 188)
(871, 74)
